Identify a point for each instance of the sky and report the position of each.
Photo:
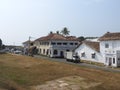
(20, 19)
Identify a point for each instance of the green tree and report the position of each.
(65, 31)
(0, 44)
(81, 38)
(91, 37)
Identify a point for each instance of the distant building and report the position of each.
(27, 45)
(12, 48)
(56, 45)
(93, 40)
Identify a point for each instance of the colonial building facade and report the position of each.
(106, 51)
(55, 45)
(27, 45)
(110, 48)
(90, 51)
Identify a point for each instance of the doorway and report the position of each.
(110, 62)
(61, 54)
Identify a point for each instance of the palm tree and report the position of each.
(65, 31)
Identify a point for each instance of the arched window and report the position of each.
(47, 52)
(55, 52)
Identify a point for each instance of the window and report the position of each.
(59, 43)
(55, 52)
(71, 43)
(118, 58)
(113, 60)
(43, 43)
(67, 50)
(106, 45)
(93, 55)
(40, 50)
(53, 43)
(106, 59)
(76, 43)
(82, 54)
(46, 43)
(64, 43)
(43, 51)
(47, 52)
(40, 43)
(31, 44)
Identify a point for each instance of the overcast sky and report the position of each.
(20, 19)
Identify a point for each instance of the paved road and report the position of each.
(79, 64)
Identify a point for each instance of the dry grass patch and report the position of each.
(93, 63)
(28, 71)
(18, 61)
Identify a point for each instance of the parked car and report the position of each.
(70, 56)
(2, 51)
(17, 52)
(75, 58)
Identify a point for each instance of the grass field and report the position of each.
(23, 72)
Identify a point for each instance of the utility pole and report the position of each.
(29, 45)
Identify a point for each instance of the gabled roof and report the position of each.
(26, 42)
(93, 45)
(110, 36)
(55, 36)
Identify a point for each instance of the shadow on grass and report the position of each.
(10, 85)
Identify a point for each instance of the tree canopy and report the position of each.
(0, 44)
(81, 38)
(65, 31)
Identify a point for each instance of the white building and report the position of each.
(106, 51)
(90, 51)
(56, 45)
(110, 48)
(27, 45)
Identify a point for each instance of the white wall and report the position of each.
(113, 46)
(88, 53)
(59, 48)
(110, 52)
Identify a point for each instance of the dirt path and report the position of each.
(67, 83)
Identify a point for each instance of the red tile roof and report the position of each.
(110, 36)
(93, 45)
(55, 36)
